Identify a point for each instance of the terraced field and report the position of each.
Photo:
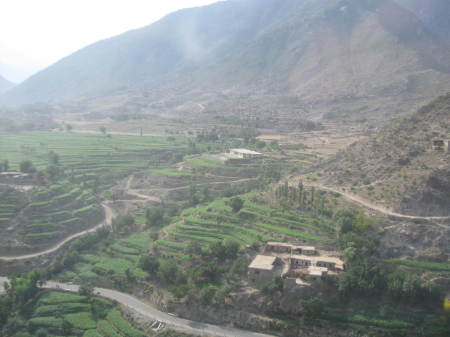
(254, 224)
(89, 154)
(117, 259)
(41, 217)
(64, 314)
(91, 164)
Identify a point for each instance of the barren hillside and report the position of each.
(398, 167)
(338, 59)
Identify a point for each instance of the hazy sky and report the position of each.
(37, 33)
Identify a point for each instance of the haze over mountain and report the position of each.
(5, 84)
(336, 58)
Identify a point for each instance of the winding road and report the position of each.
(172, 322)
(109, 215)
(377, 208)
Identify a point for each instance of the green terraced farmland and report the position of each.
(95, 160)
(49, 213)
(255, 223)
(54, 311)
(114, 260)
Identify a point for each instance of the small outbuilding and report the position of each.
(441, 145)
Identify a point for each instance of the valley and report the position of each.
(244, 168)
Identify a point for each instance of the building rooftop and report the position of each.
(289, 245)
(263, 262)
(315, 259)
(317, 271)
(246, 151)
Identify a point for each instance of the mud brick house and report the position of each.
(263, 269)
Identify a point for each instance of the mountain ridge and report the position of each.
(260, 48)
(5, 84)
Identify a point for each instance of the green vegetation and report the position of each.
(251, 223)
(52, 313)
(89, 259)
(433, 266)
(86, 153)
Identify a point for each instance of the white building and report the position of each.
(246, 154)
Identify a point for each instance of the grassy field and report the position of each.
(57, 312)
(256, 223)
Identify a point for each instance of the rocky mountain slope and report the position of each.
(398, 167)
(338, 59)
(5, 84)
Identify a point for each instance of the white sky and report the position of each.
(37, 33)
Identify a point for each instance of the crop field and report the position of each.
(256, 223)
(55, 312)
(48, 213)
(116, 259)
(91, 158)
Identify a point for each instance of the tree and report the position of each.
(69, 127)
(154, 216)
(27, 167)
(102, 129)
(4, 165)
(237, 204)
(53, 158)
(66, 328)
(86, 289)
(149, 263)
(169, 272)
(273, 286)
(313, 307)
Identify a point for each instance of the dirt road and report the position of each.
(370, 205)
(109, 215)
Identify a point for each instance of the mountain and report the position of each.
(398, 166)
(5, 84)
(338, 59)
(17, 72)
(433, 13)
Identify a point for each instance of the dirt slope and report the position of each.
(397, 168)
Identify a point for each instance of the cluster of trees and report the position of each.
(364, 274)
(215, 268)
(161, 214)
(301, 198)
(20, 293)
(72, 255)
(123, 224)
(26, 166)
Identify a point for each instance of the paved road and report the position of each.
(109, 214)
(172, 322)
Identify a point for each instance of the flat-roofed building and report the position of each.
(304, 250)
(304, 261)
(279, 247)
(263, 269)
(318, 272)
(287, 248)
(246, 154)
